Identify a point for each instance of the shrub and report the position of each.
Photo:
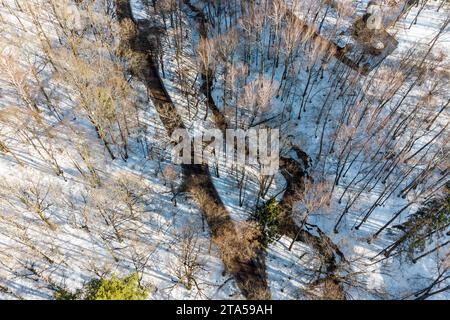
(268, 220)
(115, 288)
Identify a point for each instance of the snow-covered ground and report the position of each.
(80, 246)
(36, 259)
(393, 278)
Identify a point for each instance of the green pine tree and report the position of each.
(268, 220)
(421, 227)
(114, 288)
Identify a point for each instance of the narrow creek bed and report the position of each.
(247, 269)
(294, 173)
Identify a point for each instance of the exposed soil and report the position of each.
(248, 270)
(249, 273)
(362, 58)
(295, 173)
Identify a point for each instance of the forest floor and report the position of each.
(249, 272)
(76, 240)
